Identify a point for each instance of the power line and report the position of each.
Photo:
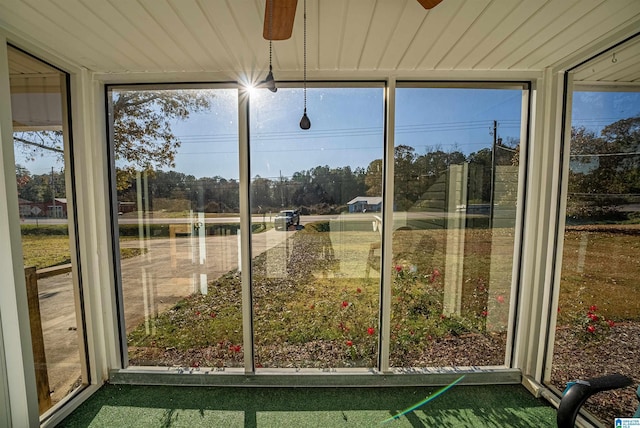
(362, 131)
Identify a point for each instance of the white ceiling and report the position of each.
(344, 36)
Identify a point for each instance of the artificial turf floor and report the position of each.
(181, 406)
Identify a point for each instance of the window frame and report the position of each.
(509, 373)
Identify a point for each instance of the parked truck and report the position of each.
(286, 218)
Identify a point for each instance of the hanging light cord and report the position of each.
(270, 30)
(305, 123)
(304, 79)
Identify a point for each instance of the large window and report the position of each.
(175, 154)
(46, 202)
(318, 264)
(456, 175)
(318, 194)
(598, 314)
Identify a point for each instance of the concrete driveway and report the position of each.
(168, 271)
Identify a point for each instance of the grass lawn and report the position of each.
(601, 267)
(44, 251)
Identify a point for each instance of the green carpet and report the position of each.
(166, 406)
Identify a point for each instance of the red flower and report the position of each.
(212, 314)
(484, 313)
(349, 343)
(398, 268)
(370, 331)
(593, 308)
(500, 299)
(593, 317)
(591, 329)
(436, 272)
(345, 303)
(611, 323)
(197, 312)
(358, 290)
(235, 348)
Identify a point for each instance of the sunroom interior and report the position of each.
(177, 218)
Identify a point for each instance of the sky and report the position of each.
(347, 127)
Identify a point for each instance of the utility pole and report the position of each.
(493, 172)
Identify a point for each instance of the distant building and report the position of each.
(365, 203)
(51, 209)
(57, 208)
(126, 207)
(25, 207)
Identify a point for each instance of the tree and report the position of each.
(373, 178)
(34, 143)
(142, 134)
(604, 169)
(23, 176)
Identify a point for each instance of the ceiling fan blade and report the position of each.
(284, 12)
(428, 4)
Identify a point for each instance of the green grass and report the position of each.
(601, 267)
(44, 251)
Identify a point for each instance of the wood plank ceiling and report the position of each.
(344, 36)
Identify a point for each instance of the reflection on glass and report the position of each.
(176, 163)
(37, 94)
(598, 320)
(455, 187)
(316, 198)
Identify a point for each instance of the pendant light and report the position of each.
(269, 81)
(305, 123)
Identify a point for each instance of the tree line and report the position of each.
(320, 190)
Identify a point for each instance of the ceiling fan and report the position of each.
(278, 17)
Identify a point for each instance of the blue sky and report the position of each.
(347, 127)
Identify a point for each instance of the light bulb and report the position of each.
(305, 123)
(270, 82)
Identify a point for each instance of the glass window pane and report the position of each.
(45, 192)
(599, 300)
(455, 187)
(316, 198)
(176, 168)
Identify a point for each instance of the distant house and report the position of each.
(25, 207)
(56, 208)
(365, 203)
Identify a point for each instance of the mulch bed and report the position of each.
(573, 359)
(618, 352)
